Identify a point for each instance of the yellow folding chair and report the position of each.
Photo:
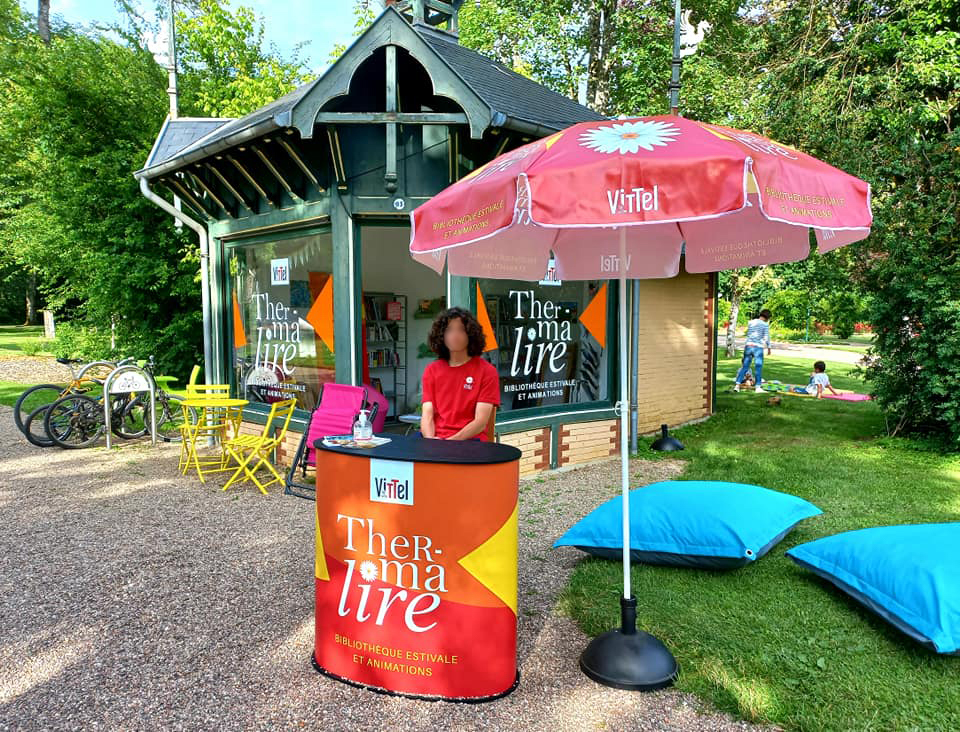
(166, 381)
(211, 422)
(251, 452)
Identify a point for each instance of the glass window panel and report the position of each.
(283, 311)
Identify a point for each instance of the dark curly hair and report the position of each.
(476, 340)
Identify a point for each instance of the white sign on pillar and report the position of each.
(280, 271)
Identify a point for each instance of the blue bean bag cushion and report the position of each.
(692, 523)
(908, 575)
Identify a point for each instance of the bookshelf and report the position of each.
(498, 309)
(386, 316)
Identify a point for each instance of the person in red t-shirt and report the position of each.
(460, 389)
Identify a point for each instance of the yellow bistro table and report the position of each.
(214, 415)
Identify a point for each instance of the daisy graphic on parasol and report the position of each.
(629, 137)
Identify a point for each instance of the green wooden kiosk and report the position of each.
(302, 210)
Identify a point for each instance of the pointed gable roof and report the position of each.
(490, 94)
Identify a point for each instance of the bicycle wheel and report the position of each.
(33, 427)
(170, 417)
(74, 421)
(32, 399)
(131, 418)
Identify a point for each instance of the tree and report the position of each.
(43, 31)
(875, 88)
(71, 137)
(737, 284)
(226, 72)
(43, 20)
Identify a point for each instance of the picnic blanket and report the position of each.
(848, 396)
(777, 387)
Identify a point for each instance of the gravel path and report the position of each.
(32, 369)
(799, 350)
(133, 598)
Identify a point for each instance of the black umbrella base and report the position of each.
(622, 659)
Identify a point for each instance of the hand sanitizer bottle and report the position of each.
(362, 429)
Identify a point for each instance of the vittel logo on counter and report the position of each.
(391, 481)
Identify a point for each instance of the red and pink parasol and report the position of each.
(628, 199)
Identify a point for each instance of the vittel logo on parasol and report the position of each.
(634, 200)
(611, 263)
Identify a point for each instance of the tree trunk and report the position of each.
(600, 38)
(732, 325)
(43, 20)
(31, 299)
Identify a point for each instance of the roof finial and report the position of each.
(430, 12)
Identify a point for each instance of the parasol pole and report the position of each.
(624, 658)
(624, 429)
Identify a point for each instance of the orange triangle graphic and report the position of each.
(239, 334)
(594, 318)
(484, 319)
(320, 315)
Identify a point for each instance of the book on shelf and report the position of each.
(380, 333)
(383, 358)
(369, 308)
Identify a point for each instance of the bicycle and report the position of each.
(170, 414)
(77, 420)
(29, 407)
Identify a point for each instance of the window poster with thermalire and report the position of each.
(547, 340)
(283, 319)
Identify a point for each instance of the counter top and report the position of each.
(414, 448)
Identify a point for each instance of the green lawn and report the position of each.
(771, 642)
(10, 391)
(14, 337)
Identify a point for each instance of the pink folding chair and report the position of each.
(334, 414)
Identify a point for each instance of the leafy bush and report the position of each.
(33, 347)
(79, 341)
(723, 313)
(843, 310)
(789, 308)
(787, 334)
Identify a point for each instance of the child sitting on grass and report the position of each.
(818, 382)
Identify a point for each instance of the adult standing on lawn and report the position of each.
(758, 335)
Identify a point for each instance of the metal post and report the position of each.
(674, 85)
(172, 64)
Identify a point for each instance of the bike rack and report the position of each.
(125, 380)
(94, 364)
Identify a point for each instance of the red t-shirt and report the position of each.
(455, 391)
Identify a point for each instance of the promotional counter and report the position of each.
(416, 567)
